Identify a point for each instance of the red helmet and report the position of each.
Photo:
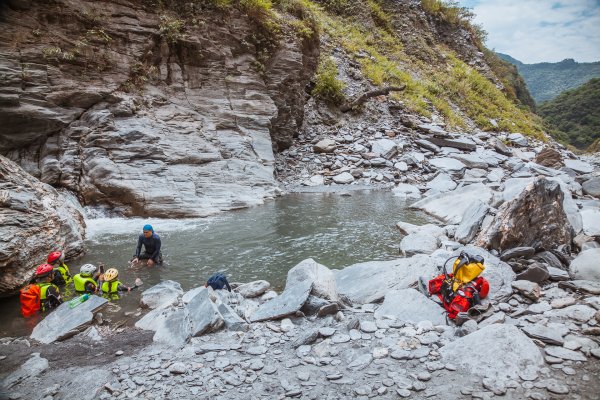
(43, 270)
(55, 255)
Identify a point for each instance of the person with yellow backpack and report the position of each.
(42, 294)
(86, 280)
(62, 275)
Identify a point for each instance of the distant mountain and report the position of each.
(547, 80)
(573, 116)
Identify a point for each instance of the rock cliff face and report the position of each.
(35, 219)
(129, 110)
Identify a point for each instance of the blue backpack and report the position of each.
(217, 281)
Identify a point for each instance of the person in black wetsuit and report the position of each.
(151, 242)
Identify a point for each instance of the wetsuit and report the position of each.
(151, 248)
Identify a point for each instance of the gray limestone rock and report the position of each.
(529, 289)
(411, 306)
(343, 178)
(503, 352)
(441, 183)
(557, 274)
(577, 312)
(544, 333)
(459, 143)
(471, 160)
(385, 148)
(325, 146)
(592, 187)
(518, 139)
(288, 302)
(471, 221)
(590, 287)
(565, 354)
(407, 191)
(175, 330)
(517, 252)
(34, 366)
(369, 282)
(590, 217)
(322, 278)
(154, 319)
(204, 315)
(253, 289)
(65, 322)
(447, 164)
(579, 166)
(586, 266)
(32, 212)
(451, 206)
(162, 295)
(418, 243)
(535, 273)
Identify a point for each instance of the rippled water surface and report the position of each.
(262, 242)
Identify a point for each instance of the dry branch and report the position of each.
(366, 96)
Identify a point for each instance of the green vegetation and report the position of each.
(547, 80)
(574, 116)
(328, 87)
(379, 16)
(514, 85)
(172, 29)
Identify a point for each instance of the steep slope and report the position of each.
(574, 116)
(547, 80)
(175, 108)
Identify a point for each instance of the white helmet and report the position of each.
(87, 269)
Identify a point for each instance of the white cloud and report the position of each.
(540, 30)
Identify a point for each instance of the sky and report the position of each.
(534, 31)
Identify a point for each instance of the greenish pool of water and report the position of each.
(262, 242)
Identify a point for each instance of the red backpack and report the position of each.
(30, 300)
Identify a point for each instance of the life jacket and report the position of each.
(463, 288)
(62, 275)
(80, 281)
(44, 286)
(111, 287)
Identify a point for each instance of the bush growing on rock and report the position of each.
(171, 29)
(327, 86)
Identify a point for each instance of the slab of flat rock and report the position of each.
(406, 191)
(503, 351)
(579, 166)
(557, 274)
(518, 139)
(447, 164)
(591, 287)
(190, 294)
(369, 282)
(343, 178)
(204, 315)
(536, 272)
(565, 354)
(432, 129)
(288, 302)
(166, 293)
(544, 333)
(418, 243)
(461, 144)
(592, 187)
(253, 289)
(65, 322)
(31, 368)
(471, 160)
(577, 312)
(410, 305)
(441, 183)
(385, 148)
(154, 319)
(448, 208)
(517, 252)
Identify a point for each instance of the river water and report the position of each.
(262, 242)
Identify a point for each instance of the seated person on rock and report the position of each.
(87, 279)
(151, 242)
(62, 275)
(218, 281)
(112, 285)
(42, 294)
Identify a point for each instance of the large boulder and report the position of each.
(36, 219)
(586, 266)
(175, 330)
(322, 278)
(451, 206)
(204, 314)
(410, 305)
(592, 187)
(370, 281)
(65, 322)
(535, 219)
(502, 351)
(167, 293)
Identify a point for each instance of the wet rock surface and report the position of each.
(35, 220)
